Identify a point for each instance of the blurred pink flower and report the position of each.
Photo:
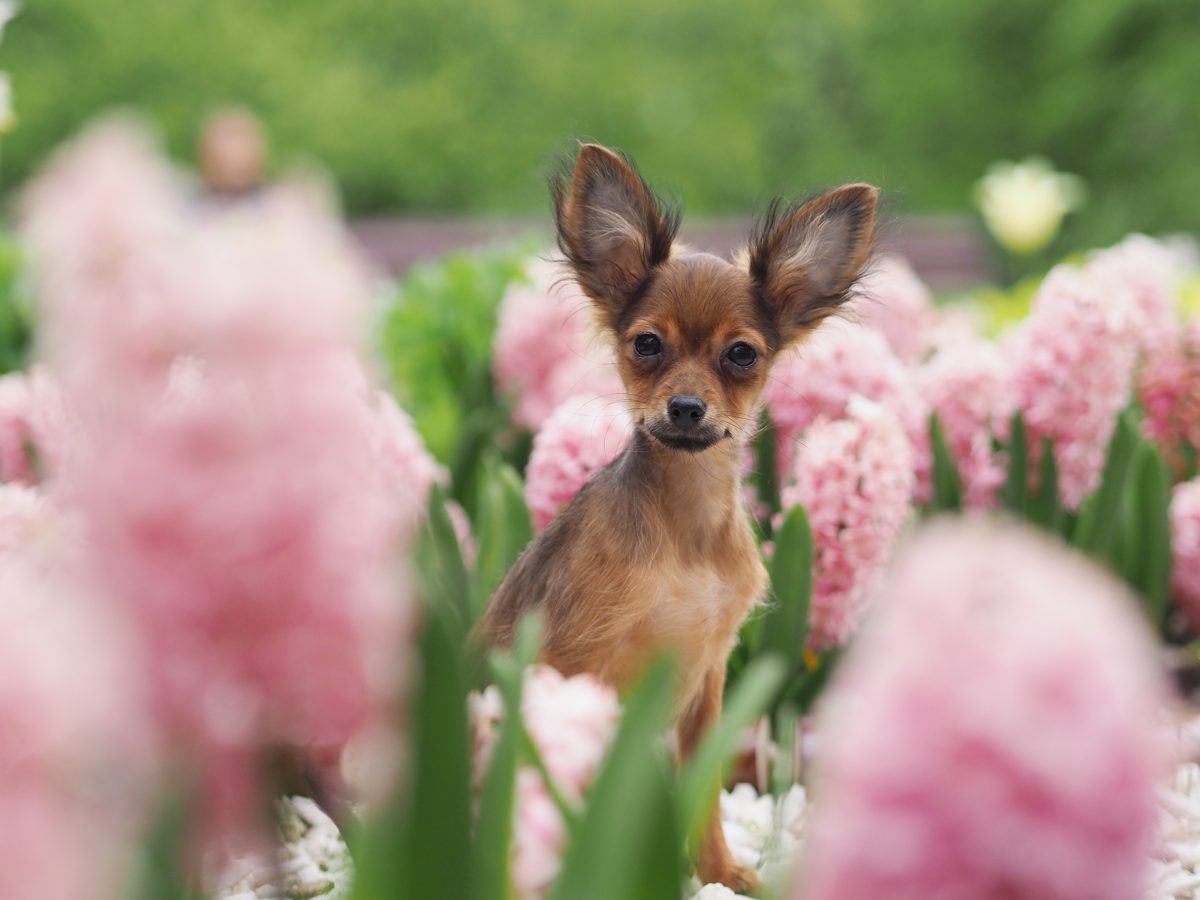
(1168, 389)
(22, 509)
(1185, 549)
(854, 477)
(965, 384)
(486, 710)
(16, 437)
(76, 748)
(539, 838)
(32, 426)
(583, 435)
(841, 360)
(243, 489)
(894, 301)
(106, 220)
(572, 722)
(164, 278)
(547, 348)
(1148, 270)
(406, 459)
(1071, 365)
(981, 742)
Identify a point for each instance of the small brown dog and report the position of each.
(656, 553)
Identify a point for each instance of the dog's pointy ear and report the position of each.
(807, 258)
(612, 228)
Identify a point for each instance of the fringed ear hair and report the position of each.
(612, 228)
(807, 258)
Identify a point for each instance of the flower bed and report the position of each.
(233, 571)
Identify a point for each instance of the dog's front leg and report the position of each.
(714, 862)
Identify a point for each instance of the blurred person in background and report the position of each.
(232, 153)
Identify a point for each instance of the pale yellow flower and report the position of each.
(1024, 203)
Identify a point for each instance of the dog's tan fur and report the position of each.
(656, 553)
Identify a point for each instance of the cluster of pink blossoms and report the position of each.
(854, 477)
(1149, 272)
(1071, 366)
(1168, 389)
(840, 361)
(1185, 549)
(245, 493)
(968, 750)
(965, 384)
(32, 426)
(583, 435)
(547, 348)
(77, 747)
(571, 721)
(895, 302)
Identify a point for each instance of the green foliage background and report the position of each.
(449, 105)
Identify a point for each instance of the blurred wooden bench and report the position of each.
(948, 252)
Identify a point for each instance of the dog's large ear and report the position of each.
(807, 258)
(612, 229)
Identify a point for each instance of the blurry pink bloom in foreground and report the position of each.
(16, 431)
(992, 732)
(32, 426)
(547, 348)
(572, 722)
(22, 511)
(412, 469)
(1149, 271)
(839, 361)
(854, 477)
(894, 301)
(1185, 549)
(1168, 390)
(1071, 363)
(243, 489)
(75, 747)
(583, 436)
(965, 385)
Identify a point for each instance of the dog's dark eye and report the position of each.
(647, 344)
(742, 355)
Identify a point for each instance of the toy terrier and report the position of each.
(656, 553)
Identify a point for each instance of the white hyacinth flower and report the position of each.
(1024, 203)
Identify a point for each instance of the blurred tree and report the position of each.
(456, 105)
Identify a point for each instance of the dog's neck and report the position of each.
(696, 495)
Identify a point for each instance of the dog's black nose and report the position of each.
(686, 411)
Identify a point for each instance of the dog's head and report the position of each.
(695, 335)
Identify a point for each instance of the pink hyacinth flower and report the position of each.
(572, 722)
(539, 838)
(1071, 365)
(583, 435)
(237, 482)
(838, 362)
(854, 477)
(76, 745)
(1168, 389)
(547, 348)
(33, 427)
(1185, 549)
(894, 301)
(981, 742)
(1149, 271)
(965, 384)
